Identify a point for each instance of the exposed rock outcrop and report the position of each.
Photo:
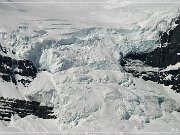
(160, 58)
(10, 68)
(22, 108)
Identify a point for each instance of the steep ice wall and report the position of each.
(99, 48)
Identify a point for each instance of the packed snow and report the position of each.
(78, 47)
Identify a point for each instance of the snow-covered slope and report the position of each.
(77, 49)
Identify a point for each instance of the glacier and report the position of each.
(77, 49)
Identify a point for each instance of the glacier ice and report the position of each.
(80, 73)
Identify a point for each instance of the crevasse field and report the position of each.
(77, 47)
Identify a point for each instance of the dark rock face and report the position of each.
(25, 70)
(22, 108)
(165, 55)
(3, 49)
(9, 68)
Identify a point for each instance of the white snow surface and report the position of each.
(80, 45)
(172, 67)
